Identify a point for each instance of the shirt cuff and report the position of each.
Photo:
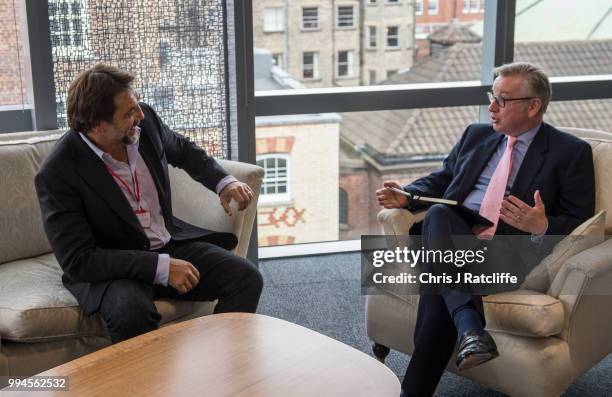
(163, 270)
(538, 238)
(224, 182)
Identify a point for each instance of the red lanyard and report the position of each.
(119, 179)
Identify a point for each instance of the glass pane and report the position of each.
(354, 152)
(175, 49)
(386, 36)
(592, 114)
(575, 39)
(14, 58)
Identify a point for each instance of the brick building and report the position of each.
(433, 15)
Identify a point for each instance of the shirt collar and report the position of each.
(132, 149)
(528, 136)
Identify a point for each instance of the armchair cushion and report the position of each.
(35, 306)
(525, 313)
(585, 236)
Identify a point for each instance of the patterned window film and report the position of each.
(175, 48)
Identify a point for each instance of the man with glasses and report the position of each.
(522, 174)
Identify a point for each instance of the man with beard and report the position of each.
(105, 196)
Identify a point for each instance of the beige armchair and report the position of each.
(546, 340)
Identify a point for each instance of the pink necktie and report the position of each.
(494, 195)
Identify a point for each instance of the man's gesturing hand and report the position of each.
(241, 192)
(183, 276)
(520, 215)
(390, 199)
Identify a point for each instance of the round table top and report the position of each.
(232, 354)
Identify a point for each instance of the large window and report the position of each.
(310, 65)
(346, 17)
(275, 185)
(310, 18)
(345, 64)
(274, 19)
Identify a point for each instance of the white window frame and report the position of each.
(474, 6)
(466, 7)
(265, 198)
(348, 63)
(396, 36)
(433, 11)
(338, 26)
(418, 7)
(277, 24)
(315, 65)
(310, 20)
(372, 36)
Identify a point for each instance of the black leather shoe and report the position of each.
(475, 349)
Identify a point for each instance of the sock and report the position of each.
(467, 318)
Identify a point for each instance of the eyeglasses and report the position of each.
(501, 101)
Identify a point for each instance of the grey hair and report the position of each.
(536, 81)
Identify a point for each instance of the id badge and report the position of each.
(144, 217)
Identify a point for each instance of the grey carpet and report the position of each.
(323, 293)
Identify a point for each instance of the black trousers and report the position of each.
(435, 333)
(127, 306)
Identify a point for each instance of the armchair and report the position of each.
(546, 340)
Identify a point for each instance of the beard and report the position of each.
(132, 136)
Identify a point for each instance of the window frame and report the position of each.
(338, 17)
(372, 36)
(348, 64)
(418, 7)
(433, 11)
(273, 198)
(315, 66)
(390, 37)
(303, 21)
(275, 28)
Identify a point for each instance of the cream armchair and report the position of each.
(546, 340)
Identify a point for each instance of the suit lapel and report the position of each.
(530, 167)
(94, 173)
(476, 163)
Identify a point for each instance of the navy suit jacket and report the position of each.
(90, 224)
(557, 164)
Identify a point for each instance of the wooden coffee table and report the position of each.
(235, 354)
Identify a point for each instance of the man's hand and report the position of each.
(390, 199)
(521, 216)
(241, 192)
(183, 276)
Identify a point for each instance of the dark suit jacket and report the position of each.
(91, 227)
(556, 163)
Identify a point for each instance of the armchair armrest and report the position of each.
(399, 221)
(194, 203)
(252, 175)
(584, 286)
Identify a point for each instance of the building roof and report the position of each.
(557, 20)
(453, 33)
(400, 136)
